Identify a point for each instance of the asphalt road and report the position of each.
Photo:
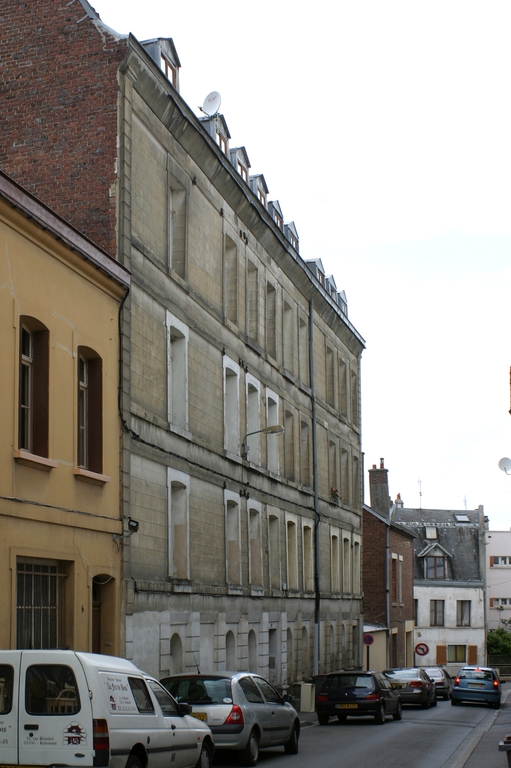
(441, 737)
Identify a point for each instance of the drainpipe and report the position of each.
(315, 489)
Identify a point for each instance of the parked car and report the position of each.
(443, 681)
(83, 709)
(356, 694)
(479, 684)
(245, 713)
(414, 686)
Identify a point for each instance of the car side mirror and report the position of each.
(184, 709)
(287, 697)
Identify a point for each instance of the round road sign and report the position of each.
(422, 649)
(368, 638)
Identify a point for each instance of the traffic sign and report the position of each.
(368, 639)
(422, 649)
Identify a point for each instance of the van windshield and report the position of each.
(51, 690)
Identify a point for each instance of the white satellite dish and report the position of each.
(505, 465)
(212, 103)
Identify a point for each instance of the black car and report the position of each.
(356, 694)
(413, 685)
(443, 681)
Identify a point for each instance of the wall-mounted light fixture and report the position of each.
(133, 526)
(274, 429)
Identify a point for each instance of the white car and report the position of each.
(245, 713)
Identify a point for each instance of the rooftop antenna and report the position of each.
(211, 104)
(420, 493)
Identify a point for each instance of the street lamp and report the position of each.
(274, 429)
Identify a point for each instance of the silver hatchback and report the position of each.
(244, 712)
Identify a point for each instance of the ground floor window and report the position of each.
(457, 654)
(38, 604)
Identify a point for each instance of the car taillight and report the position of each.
(495, 683)
(372, 697)
(322, 697)
(235, 716)
(457, 681)
(416, 684)
(100, 742)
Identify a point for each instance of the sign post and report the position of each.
(368, 640)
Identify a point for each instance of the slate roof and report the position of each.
(459, 541)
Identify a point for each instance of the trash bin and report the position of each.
(307, 697)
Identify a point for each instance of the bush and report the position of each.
(498, 641)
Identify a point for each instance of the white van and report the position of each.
(65, 708)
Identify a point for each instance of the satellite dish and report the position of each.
(505, 465)
(212, 103)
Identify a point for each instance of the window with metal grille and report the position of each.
(38, 604)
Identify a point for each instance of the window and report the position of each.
(251, 691)
(288, 337)
(33, 415)
(289, 446)
(177, 372)
(346, 565)
(141, 695)
(356, 482)
(253, 419)
(435, 567)
(39, 601)
(169, 69)
(436, 613)
(231, 406)
(431, 532)
(292, 554)
(356, 567)
(463, 613)
(303, 350)
(231, 281)
(252, 301)
(500, 560)
(272, 441)
(333, 480)
(271, 318)
(177, 227)
(179, 524)
(308, 559)
(261, 196)
(278, 219)
(6, 688)
(51, 689)
(345, 481)
(335, 561)
(305, 454)
(222, 142)
(274, 551)
(343, 388)
(243, 172)
(354, 399)
(255, 570)
(90, 410)
(456, 654)
(232, 538)
(166, 702)
(393, 578)
(330, 378)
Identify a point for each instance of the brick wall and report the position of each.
(373, 569)
(58, 88)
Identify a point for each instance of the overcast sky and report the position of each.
(384, 130)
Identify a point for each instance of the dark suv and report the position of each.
(355, 694)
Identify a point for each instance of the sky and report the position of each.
(384, 131)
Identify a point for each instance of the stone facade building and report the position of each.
(248, 551)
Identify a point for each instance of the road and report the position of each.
(440, 737)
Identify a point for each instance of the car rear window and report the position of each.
(476, 674)
(403, 674)
(206, 690)
(336, 682)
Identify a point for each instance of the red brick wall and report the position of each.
(373, 569)
(58, 91)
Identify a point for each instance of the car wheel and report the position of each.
(496, 705)
(342, 718)
(434, 702)
(454, 702)
(426, 704)
(133, 762)
(291, 746)
(379, 717)
(398, 714)
(204, 760)
(446, 697)
(250, 755)
(323, 719)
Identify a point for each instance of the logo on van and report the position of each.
(74, 734)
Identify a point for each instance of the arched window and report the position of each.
(34, 367)
(90, 410)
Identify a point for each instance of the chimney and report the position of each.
(399, 501)
(379, 489)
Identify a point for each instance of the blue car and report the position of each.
(477, 684)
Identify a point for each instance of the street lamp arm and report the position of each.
(273, 429)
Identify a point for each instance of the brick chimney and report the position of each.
(379, 489)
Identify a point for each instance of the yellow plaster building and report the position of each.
(60, 565)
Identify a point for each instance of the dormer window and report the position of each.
(278, 220)
(222, 142)
(276, 214)
(259, 188)
(261, 195)
(293, 241)
(435, 567)
(431, 532)
(170, 70)
(243, 172)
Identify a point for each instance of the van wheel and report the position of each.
(250, 755)
(134, 762)
(204, 760)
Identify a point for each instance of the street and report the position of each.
(431, 738)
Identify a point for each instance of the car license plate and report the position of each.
(476, 685)
(397, 685)
(200, 716)
(347, 706)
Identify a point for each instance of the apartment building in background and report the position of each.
(498, 579)
(60, 564)
(248, 548)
